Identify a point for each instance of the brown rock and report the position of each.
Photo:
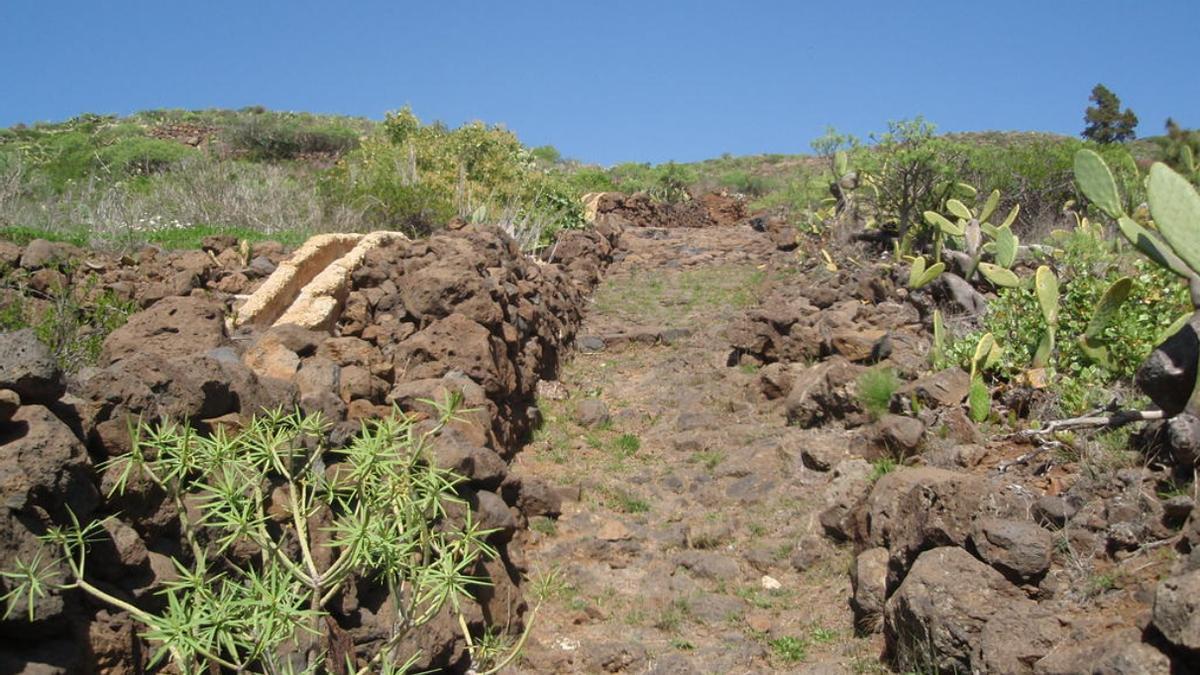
(43, 464)
(936, 617)
(1018, 549)
(914, 509)
(9, 402)
(945, 388)
(28, 368)
(868, 579)
(1177, 610)
(866, 345)
(172, 327)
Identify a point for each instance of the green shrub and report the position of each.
(279, 136)
(1086, 268)
(875, 389)
(140, 155)
(749, 184)
(390, 526)
(415, 177)
(73, 322)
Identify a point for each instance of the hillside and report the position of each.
(287, 392)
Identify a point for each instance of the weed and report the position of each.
(627, 445)
(788, 648)
(543, 525)
(682, 644)
(628, 504)
(819, 635)
(875, 389)
(673, 616)
(881, 467)
(709, 458)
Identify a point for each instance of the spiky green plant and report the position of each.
(392, 518)
(969, 227)
(1092, 341)
(1046, 287)
(1175, 209)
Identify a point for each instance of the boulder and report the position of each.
(43, 464)
(899, 436)
(592, 412)
(9, 402)
(1113, 653)
(824, 392)
(915, 509)
(1177, 611)
(936, 618)
(175, 326)
(457, 343)
(28, 368)
(864, 345)
(1168, 375)
(868, 579)
(944, 388)
(960, 296)
(845, 494)
(1019, 549)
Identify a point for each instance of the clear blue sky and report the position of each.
(613, 81)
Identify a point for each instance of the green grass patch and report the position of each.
(875, 389)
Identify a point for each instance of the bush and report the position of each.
(280, 136)
(1086, 268)
(415, 177)
(390, 528)
(140, 156)
(875, 389)
(73, 321)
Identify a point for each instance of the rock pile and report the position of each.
(968, 560)
(463, 312)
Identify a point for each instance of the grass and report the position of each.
(651, 297)
(627, 445)
(626, 503)
(882, 467)
(543, 525)
(875, 390)
(790, 649)
(709, 458)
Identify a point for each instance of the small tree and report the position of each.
(1106, 122)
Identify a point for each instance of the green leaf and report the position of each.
(841, 163)
(966, 189)
(1012, 216)
(979, 400)
(1176, 326)
(1176, 209)
(1096, 182)
(939, 221)
(958, 208)
(1152, 247)
(983, 349)
(1107, 308)
(1041, 357)
(999, 276)
(1006, 247)
(915, 272)
(989, 207)
(1046, 285)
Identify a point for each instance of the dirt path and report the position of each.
(689, 541)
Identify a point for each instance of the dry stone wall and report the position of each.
(398, 322)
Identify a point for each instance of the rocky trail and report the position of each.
(689, 538)
(703, 450)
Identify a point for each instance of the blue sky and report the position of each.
(613, 81)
